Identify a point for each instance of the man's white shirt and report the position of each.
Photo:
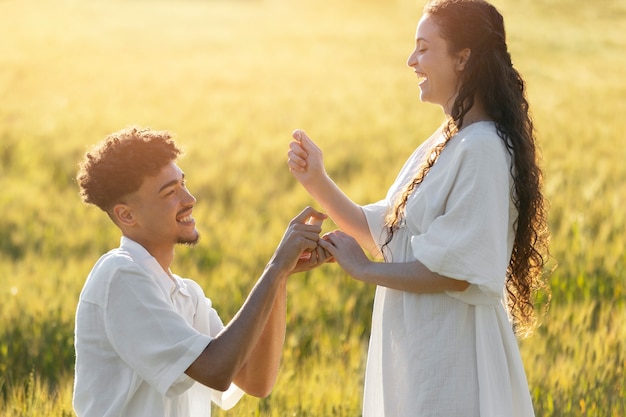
(137, 330)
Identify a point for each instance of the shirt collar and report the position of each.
(143, 258)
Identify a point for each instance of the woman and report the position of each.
(462, 231)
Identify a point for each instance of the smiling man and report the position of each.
(148, 342)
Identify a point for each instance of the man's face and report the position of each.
(161, 210)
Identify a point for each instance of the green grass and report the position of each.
(232, 79)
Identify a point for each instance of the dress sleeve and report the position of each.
(470, 239)
(375, 214)
(148, 334)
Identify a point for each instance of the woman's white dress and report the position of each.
(449, 354)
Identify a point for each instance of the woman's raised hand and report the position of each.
(305, 159)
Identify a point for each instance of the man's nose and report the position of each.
(189, 197)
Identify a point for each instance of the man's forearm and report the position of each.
(225, 356)
(261, 369)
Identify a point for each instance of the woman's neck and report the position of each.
(476, 114)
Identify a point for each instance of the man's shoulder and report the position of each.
(115, 259)
(114, 264)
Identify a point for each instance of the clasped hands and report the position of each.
(335, 246)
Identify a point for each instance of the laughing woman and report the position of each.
(462, 231)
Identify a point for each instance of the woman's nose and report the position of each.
(412, 59)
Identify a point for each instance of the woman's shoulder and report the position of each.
(480, 145)
(483, 131)
(480, 137)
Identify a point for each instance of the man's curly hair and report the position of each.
(118, 165)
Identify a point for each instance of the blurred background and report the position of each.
(232, 79)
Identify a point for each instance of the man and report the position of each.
(144, 336)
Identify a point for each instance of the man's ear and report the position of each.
(462, 58)
(123, 215)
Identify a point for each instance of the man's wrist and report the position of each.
(276, 271)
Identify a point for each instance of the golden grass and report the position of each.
(232, 79)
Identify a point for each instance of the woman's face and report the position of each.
(437, 70)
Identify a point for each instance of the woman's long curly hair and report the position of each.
(490, 78)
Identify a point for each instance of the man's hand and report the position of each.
(299, 250)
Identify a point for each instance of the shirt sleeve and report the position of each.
(227, 399)
(200, 398)
(209, 322)
(148, 334)
(469, 241)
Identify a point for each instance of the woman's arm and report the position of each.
(409, 276)
(306, 164)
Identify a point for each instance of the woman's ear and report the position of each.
(123, 215)
(462, 58)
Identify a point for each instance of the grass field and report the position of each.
(232, 79)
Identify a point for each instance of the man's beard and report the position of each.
(189, 242)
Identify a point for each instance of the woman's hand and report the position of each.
(305, 159)
(345, 250)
